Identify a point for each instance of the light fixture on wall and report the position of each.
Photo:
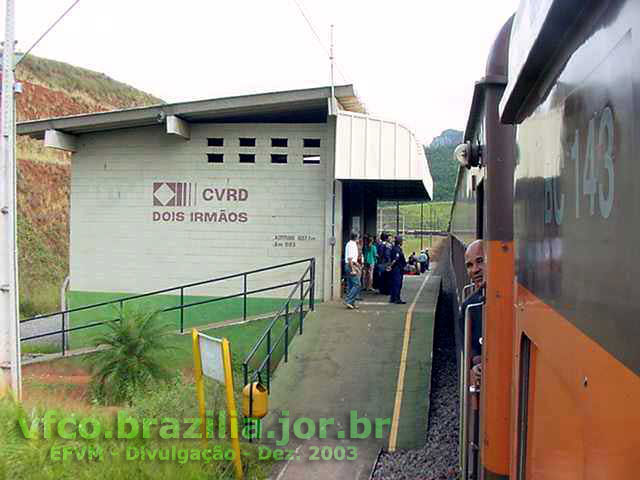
(468, 155)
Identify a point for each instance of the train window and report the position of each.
(523, 405)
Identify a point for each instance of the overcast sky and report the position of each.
(412, 61)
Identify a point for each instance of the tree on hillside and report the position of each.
(443, 170)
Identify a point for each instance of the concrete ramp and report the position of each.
(355, 368)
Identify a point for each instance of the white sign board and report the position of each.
(211, 357)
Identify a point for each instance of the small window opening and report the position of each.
(247, 142)
(215, 157)
(279, 142)
(215, 142)
(247, 158)
(311, 159)
(278, 158)
(311, 143)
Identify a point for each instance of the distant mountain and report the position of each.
(447, 138)
(443, 168)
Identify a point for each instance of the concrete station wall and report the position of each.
(130, 232)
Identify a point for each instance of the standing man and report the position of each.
(423, 260)
(352, 271)
(384, 260)
(377, 271)
(398, 262)
(474, 263)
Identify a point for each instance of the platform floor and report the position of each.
(350, 361)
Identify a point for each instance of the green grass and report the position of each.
(193, 316)
(412, 244)
(22, 458)
(435, 216)
(39, 347)
(83, 84)
(242, 338)
(41, 271)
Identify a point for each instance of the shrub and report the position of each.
(176, 398)
(132, 357)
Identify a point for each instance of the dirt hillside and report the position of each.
(53, 89)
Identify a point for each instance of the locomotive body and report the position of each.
(556, 205)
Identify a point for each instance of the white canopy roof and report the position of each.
(369, 148)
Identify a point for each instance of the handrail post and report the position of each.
(181, 309)
(245, 375)
(244, 314)
(465, 392)
(286, 335)
(301, 303)
(268, 360)
(63, 334)
(312, 289)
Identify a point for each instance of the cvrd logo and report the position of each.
(174, 194)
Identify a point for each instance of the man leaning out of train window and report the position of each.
(474, 262)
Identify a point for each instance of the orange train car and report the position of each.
(548, 181)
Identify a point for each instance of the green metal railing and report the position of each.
(181, 307)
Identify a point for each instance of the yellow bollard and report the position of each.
(197, 373)
(231, 404)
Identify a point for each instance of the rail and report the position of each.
(245, 293)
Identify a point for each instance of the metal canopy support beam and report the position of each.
(177, 126)
(60, 140)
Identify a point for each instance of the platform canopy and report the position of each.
(293, 106)
(384, 154)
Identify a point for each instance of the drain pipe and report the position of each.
(63, 308)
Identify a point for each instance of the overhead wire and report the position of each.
(46, 32)
(326, 51)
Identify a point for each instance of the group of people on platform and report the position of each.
(374, 263)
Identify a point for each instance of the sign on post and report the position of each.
(212, 358)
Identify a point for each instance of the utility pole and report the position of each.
(331, 61)
(430, 225)
(421, 224)
(397, 217)
(9, 327)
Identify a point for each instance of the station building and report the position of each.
(178, 193)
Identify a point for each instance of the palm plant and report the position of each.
(131, 355)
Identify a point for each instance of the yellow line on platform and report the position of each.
(393, 436)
